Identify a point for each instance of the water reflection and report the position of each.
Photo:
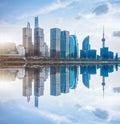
(55, 81)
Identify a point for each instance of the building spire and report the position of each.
(36, 22)
(28, 25)
(103, 38)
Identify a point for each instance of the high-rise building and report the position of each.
(86, 52)
(55, 42)
(64, 44)
(27, 40)
(38, 38)
(72, 47)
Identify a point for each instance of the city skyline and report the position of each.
(73, 15)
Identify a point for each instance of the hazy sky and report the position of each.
(80, 17)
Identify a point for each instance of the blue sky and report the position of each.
(80, 17)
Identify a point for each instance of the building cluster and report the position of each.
(62, 44)
(39, 48)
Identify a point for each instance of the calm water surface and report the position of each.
(87, 94)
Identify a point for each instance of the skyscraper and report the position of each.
(55, 42)
(86, 52)
(64, 44)
(38, 38)
(73, 46)
(27, 40)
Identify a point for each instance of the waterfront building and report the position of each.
(27, 40)
(55, 42)
(64, 44)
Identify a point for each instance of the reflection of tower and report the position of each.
(27, 83)
(38, 85)
(64, 79)
(103, 39)
(104, 71)
(103, 85)
(54, 80)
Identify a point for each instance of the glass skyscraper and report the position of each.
(55, 42)
(64, 44)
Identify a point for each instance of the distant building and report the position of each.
(27, 40)
(55, 42)
(21, 50)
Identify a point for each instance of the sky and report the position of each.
(80, 17)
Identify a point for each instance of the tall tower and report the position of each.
(38, 38)
(27, 40)
(103, 38)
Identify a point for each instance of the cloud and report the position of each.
(116, 33)
(78, 17)
(101, 9)
(101, 114)
(47, 9)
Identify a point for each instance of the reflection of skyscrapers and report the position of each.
(27, 83)
(86, 71)
(54, 80)
(64, 79)
(27, 40)
(38, 84)
(72, 77)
